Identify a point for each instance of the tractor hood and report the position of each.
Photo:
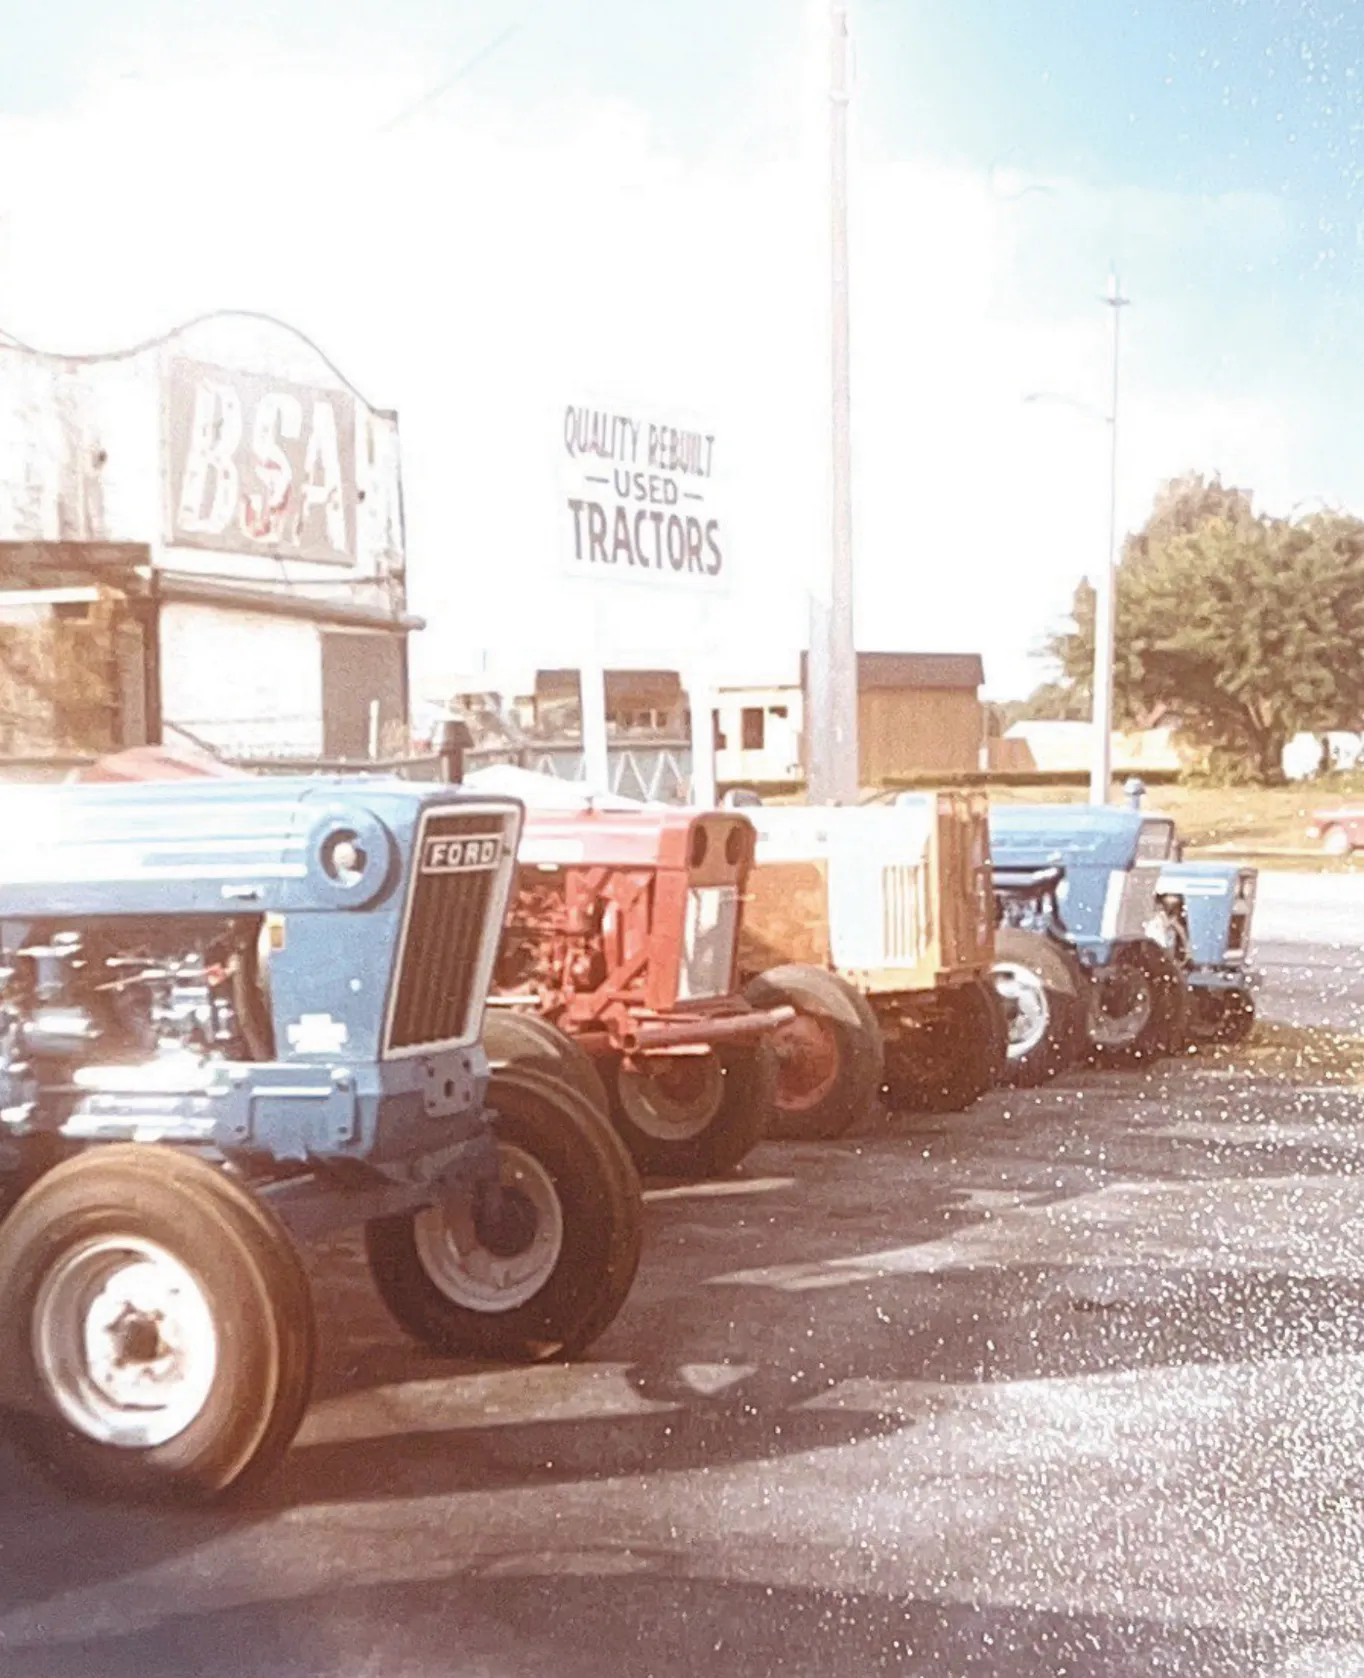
(1204, 879)
(1076, 836)
(693, 841)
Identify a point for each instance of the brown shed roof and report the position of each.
(959, 672)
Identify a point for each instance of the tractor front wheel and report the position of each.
(536, 1270)
(1138, 1006)
(1043, 989)
(157, 1328)
(829, 1057)
(697, 1114)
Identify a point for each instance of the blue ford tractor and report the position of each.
(240, 1013)
(1076, 888)
(1203, 918)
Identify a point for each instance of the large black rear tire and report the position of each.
(1045, 994)
(1139, 1007)
(545, 1278)
(829, 1058)
(157, 1328)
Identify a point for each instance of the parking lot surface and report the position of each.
(1072, 1383)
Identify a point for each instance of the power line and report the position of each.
(93, 358)
(465, 70)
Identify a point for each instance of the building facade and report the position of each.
(204, 534)
(918, 714)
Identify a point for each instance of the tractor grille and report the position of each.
(708, 943)
(904, 914)
(453, 921)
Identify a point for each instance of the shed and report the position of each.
(917, 713)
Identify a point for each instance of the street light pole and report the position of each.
(834, 769)
(1106, 595)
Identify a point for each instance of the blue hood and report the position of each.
(1072, 835)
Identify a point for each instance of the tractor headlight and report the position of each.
(344, 857)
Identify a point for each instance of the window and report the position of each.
(779, 711)
(751, 722)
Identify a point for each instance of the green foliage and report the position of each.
(1244, 628)
(1063, 701)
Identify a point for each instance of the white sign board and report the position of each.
(639, 503)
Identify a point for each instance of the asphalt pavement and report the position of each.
(1310, 943)
(1071, 1384)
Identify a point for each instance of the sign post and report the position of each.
(640, 511)
(592, 704)
(700, 687)
(834, 754)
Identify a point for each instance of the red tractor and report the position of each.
(623, 934)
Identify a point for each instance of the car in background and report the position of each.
(1341, 830)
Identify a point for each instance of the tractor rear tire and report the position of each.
(1045, 992)
(999, 1039)
(1159, 1012)
(549, 1276)
(830, 1058)
(530, 1041)
(947, 1061)
(694, 1116)
(157, 1329)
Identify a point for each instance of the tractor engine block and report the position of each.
(552, 940)
(76, 997)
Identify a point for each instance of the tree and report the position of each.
(1245, 626)
(1063, 701)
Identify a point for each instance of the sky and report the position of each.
(486, 210)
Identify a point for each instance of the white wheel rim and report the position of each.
(1336, 842)
(469, 1273)
(1120, 1031)
(1025, 998)
(125, 1341)
(649, 1108)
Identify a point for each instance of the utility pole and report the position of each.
(1106, 595)
(834, 773)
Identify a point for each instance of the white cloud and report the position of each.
(478, 269)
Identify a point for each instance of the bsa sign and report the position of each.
(639, 502)
(258, 465)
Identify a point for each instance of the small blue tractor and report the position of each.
(1203, 917)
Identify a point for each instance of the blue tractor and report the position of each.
(1076, 966)
(1203, 918)
(235, 1014)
